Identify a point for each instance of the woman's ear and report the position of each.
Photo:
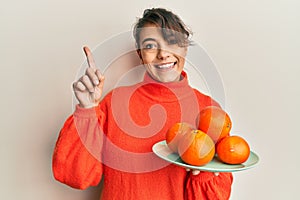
(138, 51)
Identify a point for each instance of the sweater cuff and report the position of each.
(86, 112)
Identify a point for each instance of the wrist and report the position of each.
(82, 112)
(87, 106)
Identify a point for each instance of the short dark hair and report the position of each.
(169, 23)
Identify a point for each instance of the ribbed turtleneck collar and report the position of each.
(165, 92)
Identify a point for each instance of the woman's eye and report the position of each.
(150, 46)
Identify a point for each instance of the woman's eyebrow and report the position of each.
(148, 39)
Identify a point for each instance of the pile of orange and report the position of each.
(199, 146)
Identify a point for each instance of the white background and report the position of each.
(255, 45)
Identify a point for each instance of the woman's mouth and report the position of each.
(165, 66)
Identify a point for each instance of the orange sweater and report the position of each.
(114, 141)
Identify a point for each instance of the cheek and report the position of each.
(147, 58)
(181, 58)
(179, 52)
(181, 63)
(183, 54)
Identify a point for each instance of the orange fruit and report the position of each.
(196, 148)
(215, 122)
(175, 134)
(233, 150)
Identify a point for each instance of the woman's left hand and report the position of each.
(196, 172)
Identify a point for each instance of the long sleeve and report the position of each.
(207, 186)
(77, 154)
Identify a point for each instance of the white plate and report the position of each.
(162, 150)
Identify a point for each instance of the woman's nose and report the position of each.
(163, 54)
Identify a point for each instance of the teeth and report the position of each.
(165, 66)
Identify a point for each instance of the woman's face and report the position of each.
(163, 61)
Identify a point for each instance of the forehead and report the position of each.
(150, 31)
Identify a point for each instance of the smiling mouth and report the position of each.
(166, 66)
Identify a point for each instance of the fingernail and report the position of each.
(96, 81)
(195, 172)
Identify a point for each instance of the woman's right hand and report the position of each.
(88, 89)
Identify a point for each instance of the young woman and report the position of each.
(112, 138)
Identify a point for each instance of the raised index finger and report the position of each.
(90, 58)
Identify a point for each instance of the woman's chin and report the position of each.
(167, 79)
